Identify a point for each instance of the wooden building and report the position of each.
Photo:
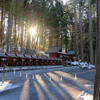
(55, 52)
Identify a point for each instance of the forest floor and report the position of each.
(49, 84)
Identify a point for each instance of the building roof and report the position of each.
(11, 55)
(2, 54)
(53, 49)
(62, 53)
(20, 55)
(35, 57)
(27, 56)
(70, 52)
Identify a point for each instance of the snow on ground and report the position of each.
(89, 85)
(75, 63)
(6, 86)
(83, 64)
(88, 66)
(91, 66)
(84, 96)
(79, 63)
(30, 67)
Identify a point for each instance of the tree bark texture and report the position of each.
(75, 26)
(90, 35)
(80, 30)
(2, 17)
(97, 63)
(8, 38)
(22, 27)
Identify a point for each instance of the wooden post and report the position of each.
(3, 73)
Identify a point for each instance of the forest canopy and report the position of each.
(34, 25)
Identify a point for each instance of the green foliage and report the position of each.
(28, 51)
(54, 23)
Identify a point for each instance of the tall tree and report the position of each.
(75, 26)
(22, 31)
(97, 63)
(2, 20)
(8, 38)
(80, 29)
(90, 34)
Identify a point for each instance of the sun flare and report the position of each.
(32, 31)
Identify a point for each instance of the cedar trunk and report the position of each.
(80, 30)
(90, 35)
(75, 26)
(97, 63)
(8, 38)
(22, 37)
(2, 14)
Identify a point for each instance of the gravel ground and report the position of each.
(48, 84)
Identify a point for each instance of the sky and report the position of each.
(64, 1)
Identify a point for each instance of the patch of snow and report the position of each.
(25, 68)
(89, 85)
(91, 66)
(6, 86)
(85, 66)
(82, 63)
(9, 69)
(43, 53)
(87, 97)
(75, 63)
(15, 68)
(88, 66)
(83, 92)
(84, 96)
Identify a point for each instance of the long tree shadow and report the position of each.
(28, 91)
(64, 95)
(43, 89)
(43, 92)
(70, 80)
(46, 88)
(69, 90)
(87, 75)
(80, 72)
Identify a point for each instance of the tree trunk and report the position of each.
(15, 26)
(97, 63)
(22, 37)
(75, 26)
(90, 35)
(80, 29)
(50, 39)
(15, 32)
(44, 38)
(2, 14)
(8, 38)
(71, 42)
(61, 42)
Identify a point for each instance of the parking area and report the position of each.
(49, 84)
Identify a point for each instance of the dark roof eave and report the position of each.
(71, 54)
(51, 52)
(4, 56)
